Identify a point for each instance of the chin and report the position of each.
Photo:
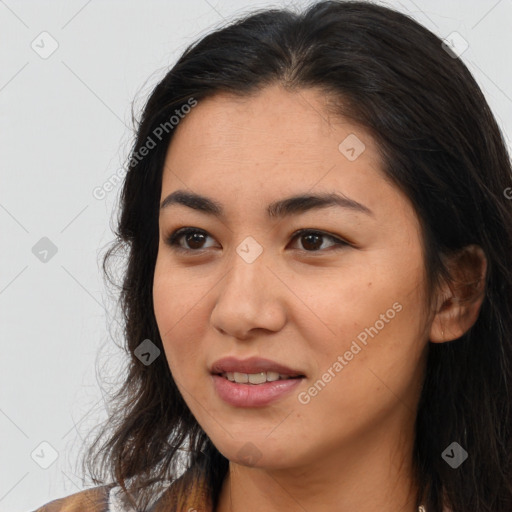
(255, 452)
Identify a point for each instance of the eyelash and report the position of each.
(173, 239)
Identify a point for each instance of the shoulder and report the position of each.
(188, 492)
(95, 499)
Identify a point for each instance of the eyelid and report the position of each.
(175, 236)
(339, 240)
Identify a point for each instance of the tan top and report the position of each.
(184, 495)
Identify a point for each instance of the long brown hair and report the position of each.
(440, 144)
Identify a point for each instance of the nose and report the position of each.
(250, 298)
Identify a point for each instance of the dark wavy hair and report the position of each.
(439, 143)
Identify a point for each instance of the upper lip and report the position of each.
(251, 365)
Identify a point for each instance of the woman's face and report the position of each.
(349, 316)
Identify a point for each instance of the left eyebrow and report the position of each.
(293, 205)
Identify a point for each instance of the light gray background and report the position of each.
(64, 130)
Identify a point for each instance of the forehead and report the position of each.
(300, 119)
(273, 130)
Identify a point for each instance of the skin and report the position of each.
(350, 447)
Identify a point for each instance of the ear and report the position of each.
(458, 302)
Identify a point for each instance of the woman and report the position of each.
(320, 241)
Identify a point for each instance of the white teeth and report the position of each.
(271, 376)
(254, 378)
(241, 377)
(257, 378)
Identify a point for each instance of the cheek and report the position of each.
(357, 385)
(335, 307)
(181, 318)
(373, 320)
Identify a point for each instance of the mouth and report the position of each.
(256, 378)
(253, 382)
(254, 370)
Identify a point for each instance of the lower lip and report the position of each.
(253, 395)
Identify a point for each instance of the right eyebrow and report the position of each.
(294, 205)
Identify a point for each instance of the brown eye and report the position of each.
(312, 240)
(194, 238)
